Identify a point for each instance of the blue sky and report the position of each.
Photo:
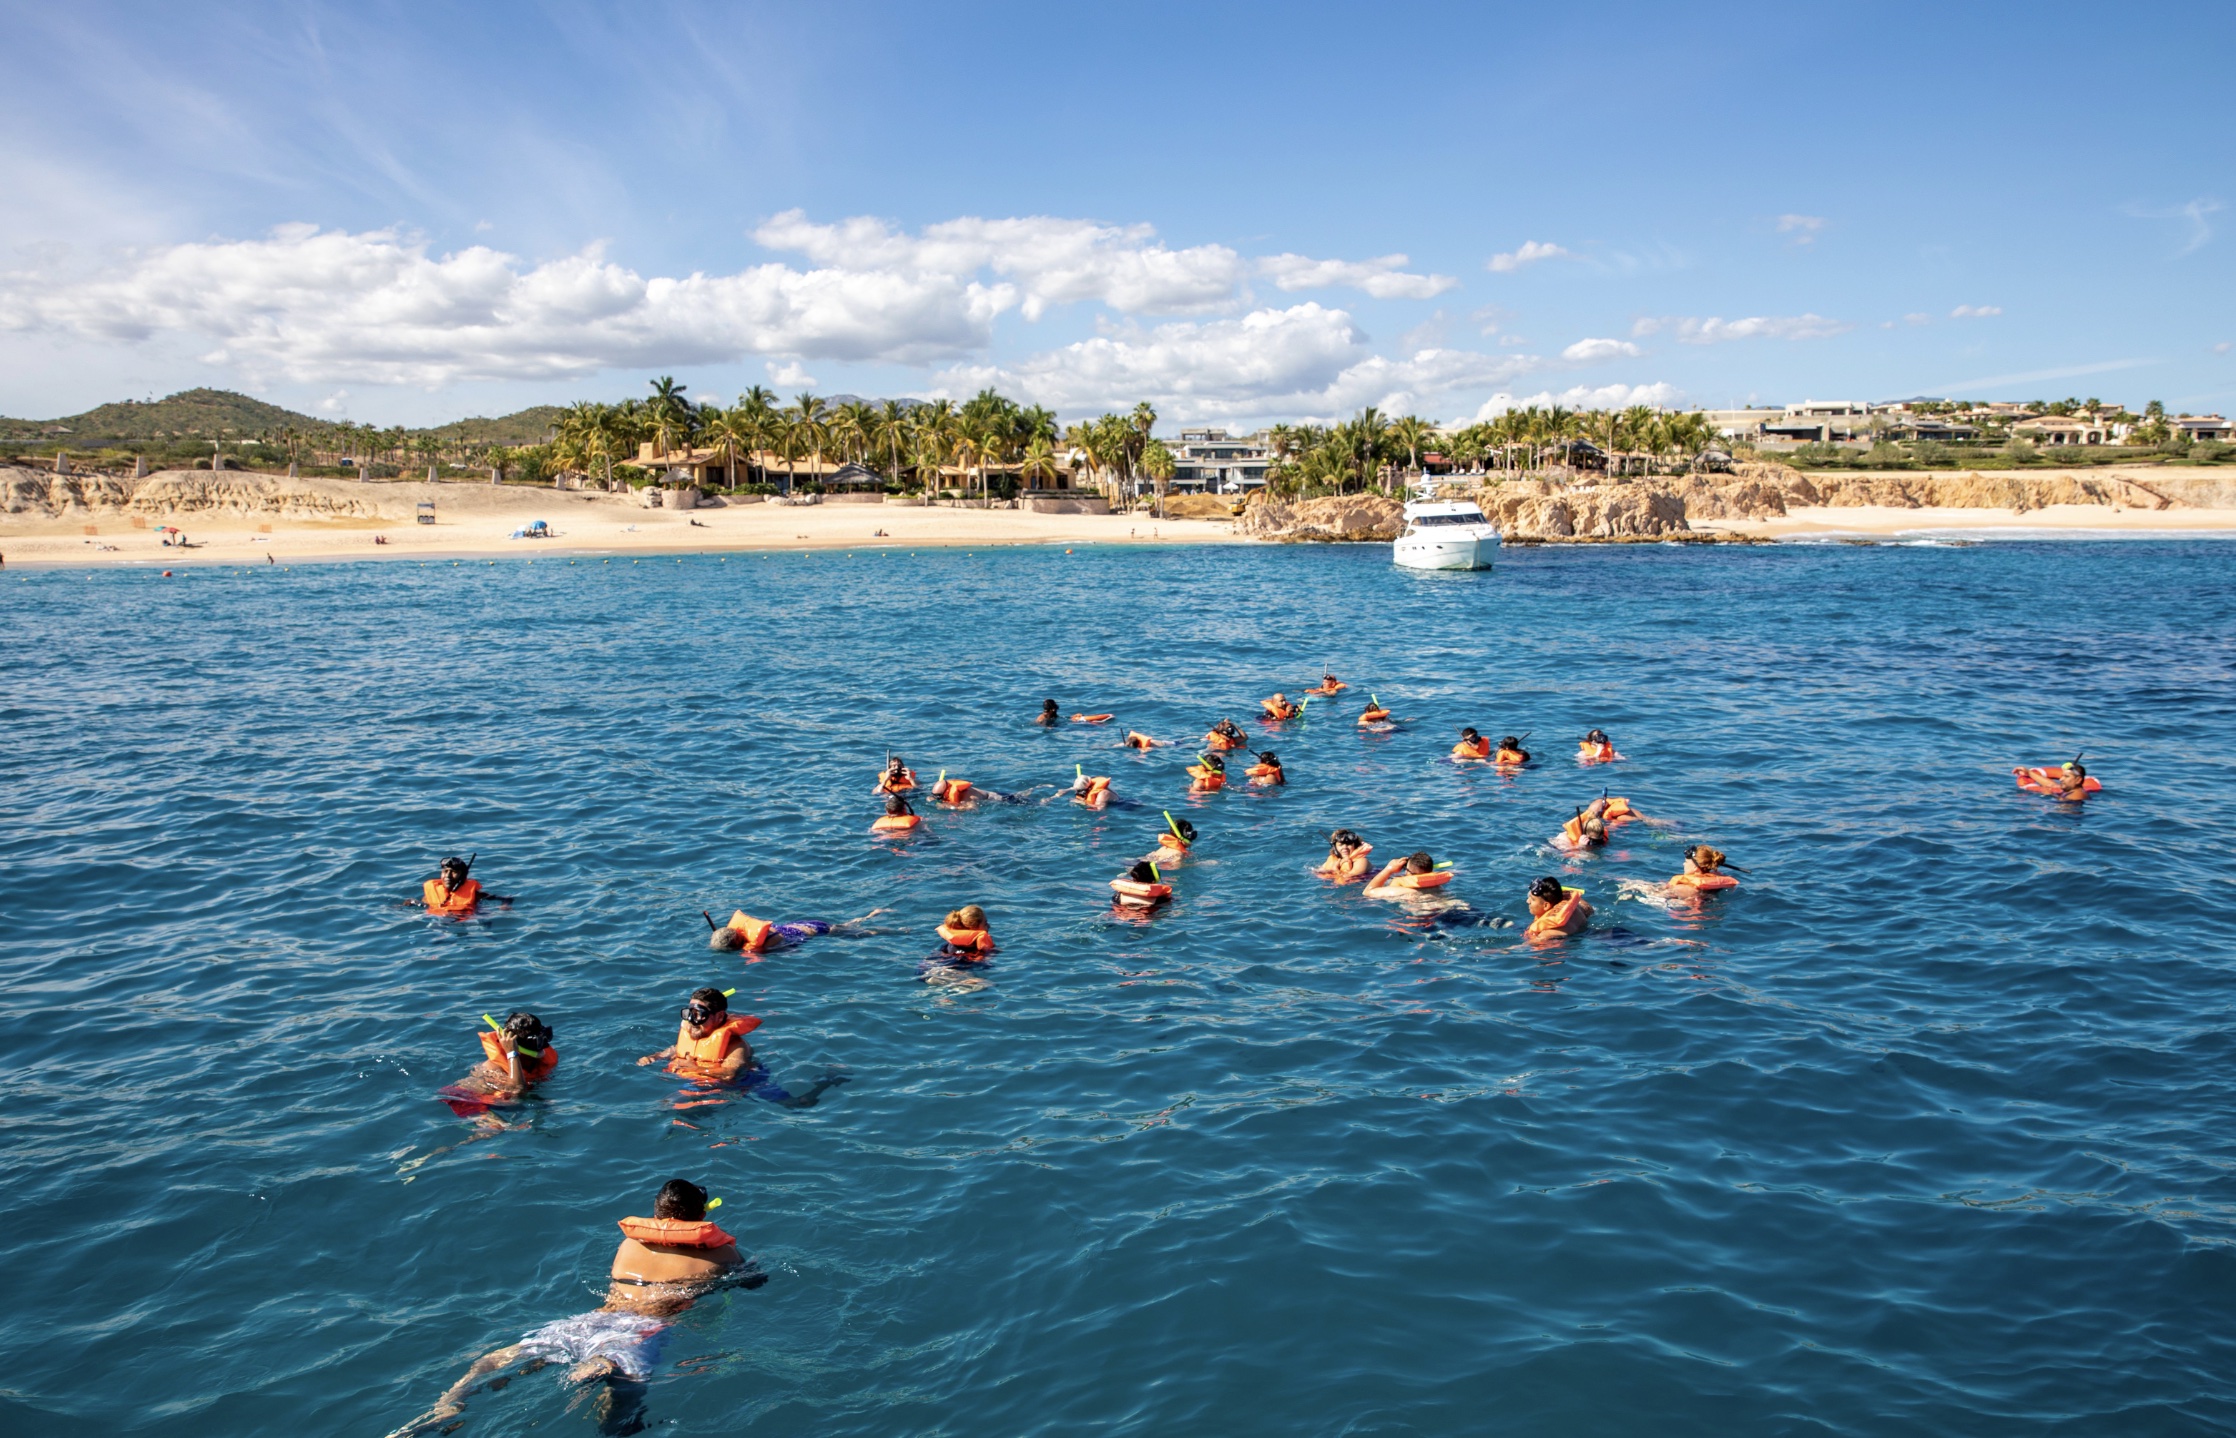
(403, 213)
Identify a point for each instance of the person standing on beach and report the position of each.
(665, 1264)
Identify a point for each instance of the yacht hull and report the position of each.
(1443, 552)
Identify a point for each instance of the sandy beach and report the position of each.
(478, 521)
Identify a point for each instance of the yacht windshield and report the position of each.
(1426, 519)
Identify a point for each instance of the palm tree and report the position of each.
(1412, 434)
(1039, 462)
(937, 422)
(851, 427)
(669, 412)
(889, 428)
(1156, 463)
(809, 429)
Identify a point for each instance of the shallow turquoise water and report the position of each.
(1926, 1129)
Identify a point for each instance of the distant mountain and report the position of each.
(190, 414)
(207, 414)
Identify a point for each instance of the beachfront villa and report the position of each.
(709, 470)
(2062, 429)
(1211, 461)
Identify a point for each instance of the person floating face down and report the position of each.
(1703, 871)
(744, 933)
(1510, 751)
(1347, 860)
(1135, 739)
(664, 1264)
(1556, 912)
(1407, 877)
(1173, 844)
(1585, 831)
(709, 1044)
(1093, 790)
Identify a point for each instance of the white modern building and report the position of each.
(1211, 461)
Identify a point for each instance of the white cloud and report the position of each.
(1529, 254)
(1301, 361)
(1915, 320)
(1803, 228)
(1052, 261)
(1607, 396)
(1714, 330)
(2192, 214)
(309, 305)
(2221, 348)
(792, 375)
(1590, 351)
(1975, 312)
(335, 403)
(1384, 279)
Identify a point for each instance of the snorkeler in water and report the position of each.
(1140, 887)
(710, 1048)
(665, 1264)
(1135, 739)
(451, 891)
(1279, 708)
(1584, 831)
(1208, 774)
(1328, 684)
(1471, 746)
(1406, 877)
(1347, 861)
(1596, 748)
(1174, 844)
(1226, 734)
(1555, 910)
(1267, 771)
(1510, 751)
(1092, 790)
(1049, 714)
(897, 777)
(898, 818)
(757, 936)
(516, 1055)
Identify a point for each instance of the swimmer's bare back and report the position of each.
(660, 1280)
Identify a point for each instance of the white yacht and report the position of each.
(1445, 534)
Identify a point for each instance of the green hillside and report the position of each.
(197, 416)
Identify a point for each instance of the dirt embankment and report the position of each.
(1524, 512)
(1355, 517)
(31, 494)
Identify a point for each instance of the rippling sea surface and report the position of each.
(1926, 1128)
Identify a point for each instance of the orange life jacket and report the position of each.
(1327, 686)
(1555, 919)
(887, 783)
(1207, 778)
(1617, 810)
(1510, 756)
(976, 941)
(898, 822)
(675, 1233)
(1134, 889)
(1214, 739)
(1434, 879)
(1572, 832)
(1091, 718)
(1480, 749)
(1173, 841)
(1274, 711)
(441, 900)
(1595, 752)
(1704, 881)
(535, 1072)
(951, 791)
(1265, 771)
(1374, 716)
(710, 1051)
(757, 932)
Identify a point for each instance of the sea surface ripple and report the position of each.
(1924, 1129)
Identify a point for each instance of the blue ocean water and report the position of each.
(1924, 1129)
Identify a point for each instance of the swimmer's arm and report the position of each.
(666, 1053)
(1381, 880)
(851, 924)
(734, 1062)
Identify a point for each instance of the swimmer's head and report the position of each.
(680, 1198)
(453, 871)
(2074, 768)
(1595, 830)
(1546, 891)
(1597, 736)
(705, 1007)
(1704, 857)
(1048, 706)
(726, 938)
(1508, 741)
(1344, 839)
(1187, 831)
(1279, 697)
(1419, 862)
(1143, 872)
(530, 1035)
(1269, 757)
(1214, 763)
(1470, 735)
(970, 916)
(896, 764)
(896, 807)
(1326, 678)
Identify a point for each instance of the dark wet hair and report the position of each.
(894, 761)
(1216, 763)
(527, 1030)
(1419, 862)
(2080, 770)
(1187, 830)
(1343, 836)
(1548, 888)
(680, 1198)
(714, 1000)
(453, 862)
(1508, 741)
(1048, 706)
(1469, 734)
(895, 806)
(1597, 736)
(1143, 872)
(1269, 757)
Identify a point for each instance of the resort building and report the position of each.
(2062, 429)
(1215, 462)
(1820, 421)
(2204, 426)
(1743, 423)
